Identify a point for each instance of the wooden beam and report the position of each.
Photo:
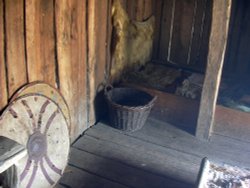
(98, 52)
(3, 83)
(217, 46)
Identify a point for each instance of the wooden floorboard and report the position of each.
(238, 145)
(60, 186)
(77, 178)
(158, 155)
(118, 172)
(168, 136)
(160, 162)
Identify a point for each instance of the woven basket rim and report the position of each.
(134, 108)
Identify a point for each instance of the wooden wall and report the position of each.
(182, 32)
(62, 42)
(237, 55)
(139, 10)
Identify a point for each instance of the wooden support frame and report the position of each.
(217, 47)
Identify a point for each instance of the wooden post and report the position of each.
(217, 46)
(72, 57)
(98, 41)
(3, 83)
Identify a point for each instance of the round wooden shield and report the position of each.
(38, 123)
(48, 91)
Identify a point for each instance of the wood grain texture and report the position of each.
(139, 10)
(15, 44)
(168, 136)
(118, 172)
(217, 47)
(166, 29)
(182, 31)
(122, 148)
(157, 12)
(76, 177)
(236, 60)
(183, 151)
(169, 108)
(71, 49)
(203, 53)
(197, 34)
(235, 28)
(242, 63)
(40, 41)
(232, 123)
(148, 9)
(131, 9)
(98, 38)
(182, 35)
(3, 83)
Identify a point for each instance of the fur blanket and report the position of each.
(132, 41)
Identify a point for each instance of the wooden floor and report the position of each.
(158, 155)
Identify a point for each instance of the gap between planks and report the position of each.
(165, 135)
(117, 172)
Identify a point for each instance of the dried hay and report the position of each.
(133, 41)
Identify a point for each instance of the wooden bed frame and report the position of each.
(184, 112)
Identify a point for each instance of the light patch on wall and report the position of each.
(132, 40)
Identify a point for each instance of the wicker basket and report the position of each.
(128, 108)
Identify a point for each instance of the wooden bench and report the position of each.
(10, 153)
(34, 137)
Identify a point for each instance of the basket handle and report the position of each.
(108, 88)
(152, 101)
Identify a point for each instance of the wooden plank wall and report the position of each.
(64, 43)
(237, 54)
(182, 33)
(139, 10)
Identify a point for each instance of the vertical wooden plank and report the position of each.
(131, 9)
(109, 40)
(40, 40)
(148, 9)
(197, 33)
(217, 47)
(205, 36)
(101, 29)
(242, 62)
(17, 75)
(71, 49)
(182, 31)
(97, 49)
(234, 36)
(157, 12)
(166, 29)
(139, 10)
(3, 84)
